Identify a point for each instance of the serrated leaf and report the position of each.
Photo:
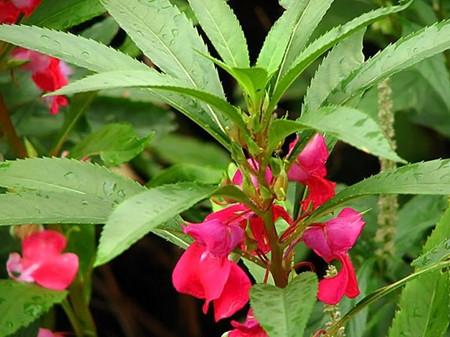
(344, 123)
(52, 208)
(424, 303)
(285, 312)
(336, 66)
(73, 49)
(319, 46)
(103, 31)
(63, 14)
(21, 304)
(439, 253)
(431, 177)
(115, 143)
(223, 30)
(154, 80)
(66, 176)
(398, 56)
(143, 212)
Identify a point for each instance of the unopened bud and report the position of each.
(22, 231)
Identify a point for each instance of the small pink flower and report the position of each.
(309, 169)
(332, 241)
(214, 279)
(238, 178)
(47, 333)
(250, 328)
(43, 262)
(48, 73)
(10, 10)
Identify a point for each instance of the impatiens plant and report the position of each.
(268, 210)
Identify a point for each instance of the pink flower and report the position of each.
(10, 10)
(48, 73)
(332, 241)
(42, 261)
(48, 333)
(309, 169)
(213, 278)
(250, 328)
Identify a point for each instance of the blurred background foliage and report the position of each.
(133, 295)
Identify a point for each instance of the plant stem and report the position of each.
(280, 275)
(72, 318)
(80, 304)
(7, 127)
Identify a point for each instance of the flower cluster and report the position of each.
(206, 271)
(10, 10)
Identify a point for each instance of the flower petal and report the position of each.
(320, 190)
(314, 156)
(344, 230)
(316, 239)
(58, 272)
(235, 294)
(42, 245)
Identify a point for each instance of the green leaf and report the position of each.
(403, 54)
(325, 42)
(78, 106)
(178, 149)
(73, 49)
(115, 143)
(52, 208)
(431, 177)
(223, 30)
(168, 38)
(285, 312)
(424, 303)
(152, 79)
(63, 14)
(347, 124)
(336, 66)
(258, 272)
(306, 24)
(143, 213)
(21, 304)
(103, 31)
(67, 176)
(187, 172)
(437, 254)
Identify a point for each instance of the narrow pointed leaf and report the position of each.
(424, 303)
(223, 30)
(73, 49)
(325, 42)
(400, 55)
(151, 79)
(431, 177)
(336, 66)
(22, 303)
(344, 123)
(142, 213)
(285, 312)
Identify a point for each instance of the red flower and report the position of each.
(48, 333)
(48, 73)
(309, 169)
(250, 328)
(42, 261)
(213, 278)
(10, 10)
(332, 241)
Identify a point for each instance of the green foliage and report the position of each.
(187, 172)
(21, 304)
(69, 177)
(431, 177)
(73, 49)
(142, 213)
(325, 42)
(103, 31)
(114, 143)
(404, 53)
(223, 29)
(52, 208)
(285, 312)
(336, 66)
(424, 303)
(63, 14)
(347, 124)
